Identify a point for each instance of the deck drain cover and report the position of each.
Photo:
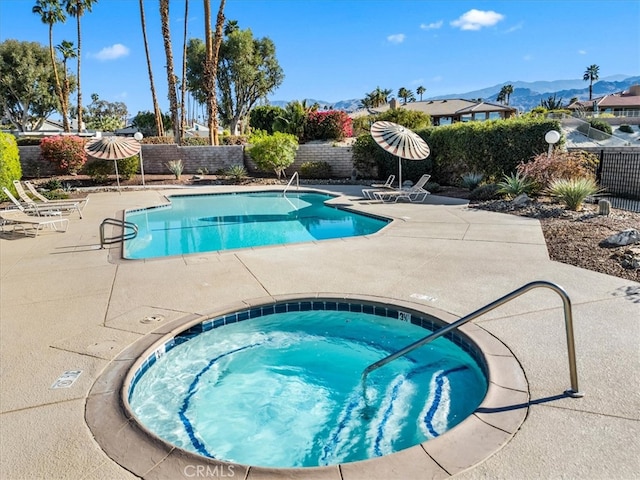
(152, 319)
(66, 379)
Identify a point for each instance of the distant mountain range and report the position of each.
(525, 96)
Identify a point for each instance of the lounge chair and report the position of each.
(18, 218)
(38, 196)
(41, 208)
(368, 192)
(412, 194)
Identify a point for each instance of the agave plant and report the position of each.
(514, 185)
(237, 172)
(573, 192)
(471, 180)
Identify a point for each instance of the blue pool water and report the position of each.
(283, 389)
(206, 223)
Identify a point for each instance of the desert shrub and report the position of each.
(176, 167)
(315, 170)
(471, 180)
(542, 170)
(273, 152)
(28, 141)
(625, 128)
(195, 141)
(573, 192)
(408, 118)
(66, 152)
(234, 140)
(128, 167)
(10, 167)
(158, 141)
(99, 170)
(513, 185)
(53, 184)
(328, 125)
(488, 191)
(432, 187)
(600, 125)
(237, 172)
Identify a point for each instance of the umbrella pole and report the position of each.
(142, 168)
(117, 176)
(400, 173)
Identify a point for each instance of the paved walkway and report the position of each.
(68, 305)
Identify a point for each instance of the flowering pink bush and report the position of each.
(328, 125)
(67, 152)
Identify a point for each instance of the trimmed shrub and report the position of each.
(234, 140)
(542, 170)
(158, 141)
(99, 170)
(315, 170)
(66, 152)
(600, 125)
(195, 141)
(625, 128)
(273, 152)
(10, 167)
(128, 167)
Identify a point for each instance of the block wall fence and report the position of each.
(213, 159)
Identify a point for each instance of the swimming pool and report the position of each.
(279, 385)
(213, 222)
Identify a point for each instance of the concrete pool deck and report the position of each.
(68, 305)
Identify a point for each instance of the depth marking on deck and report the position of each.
(67, 379)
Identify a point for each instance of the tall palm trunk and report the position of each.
(183, 110)
(156, 107)
(211, 67)
(63, 103)
(171, 77)
(79, 85)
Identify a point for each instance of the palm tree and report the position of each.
(420, 90)
(212, 46)
(156, 107)
(67, 51)
(51, 12)
(551, 103)
(76, 8)
(171, 77)
(591, 75)
(183, 111)
(505, 93)
(406, 95)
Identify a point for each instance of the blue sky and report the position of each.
(335, 50)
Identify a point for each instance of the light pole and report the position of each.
(551, 137)
(138, 136)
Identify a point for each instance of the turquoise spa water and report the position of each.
(206, 223)
(284, 390)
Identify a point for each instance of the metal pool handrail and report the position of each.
(568, 320)
(297, 178)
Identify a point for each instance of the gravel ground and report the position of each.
(576, 238)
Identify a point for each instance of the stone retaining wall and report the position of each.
(212, 158)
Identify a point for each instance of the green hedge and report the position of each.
(10, 167)
(492, 147)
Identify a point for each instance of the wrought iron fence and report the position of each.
(619, 175)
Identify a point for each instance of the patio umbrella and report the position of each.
(399, 141)
(113, 148)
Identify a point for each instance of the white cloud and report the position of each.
(113, 52)
(582, 52)
(514, 28)
(431, 26)
(397, 38)
(477, 19)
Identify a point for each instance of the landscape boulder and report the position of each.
(626, 237)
